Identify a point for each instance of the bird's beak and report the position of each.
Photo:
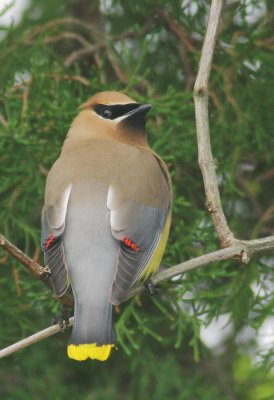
(135, 118)
(138, 112)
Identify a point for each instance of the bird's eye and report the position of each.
(107, 113)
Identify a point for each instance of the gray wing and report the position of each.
(52, 229)
(141, 229)
(138, 246)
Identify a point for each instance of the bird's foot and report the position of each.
(62, 319)
(150, 288)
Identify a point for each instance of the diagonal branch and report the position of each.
(51, 330)
(39, 272)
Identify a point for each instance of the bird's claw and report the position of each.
(62, 319)
(150, 288)
(64, 324)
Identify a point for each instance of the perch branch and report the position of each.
(242, 250)
(51, 330)
(34, 268)
(39, 272)
(206, 161)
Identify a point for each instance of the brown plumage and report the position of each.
(107, 204)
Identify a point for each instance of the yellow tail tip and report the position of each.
(83, 351)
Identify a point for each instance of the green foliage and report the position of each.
(161, 354)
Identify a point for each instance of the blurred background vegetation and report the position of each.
(209, 334)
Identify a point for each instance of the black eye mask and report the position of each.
(114, 111)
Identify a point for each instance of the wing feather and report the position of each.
(141, 229)
(53, 225)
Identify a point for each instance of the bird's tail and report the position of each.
(92, 335)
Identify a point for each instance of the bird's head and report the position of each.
(112, 114)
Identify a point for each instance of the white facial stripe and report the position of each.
(116, 120)
(120, 118)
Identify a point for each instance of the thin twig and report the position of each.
(62, 21)
(268, 214)
(185, 45)
(32, 339)
(43, 170)
(78, 54)
(4, 259)
(106, 42)
(67, 36)
(26, 97)
(101, 40)
(16, 276)
(206, 161)
(76, 78)
(121, 75)
(178, 31)
(34, 268)
(3, 121)
(253, 201)
(242, 250)
(266, 175)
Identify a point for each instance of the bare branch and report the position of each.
(32, 339)
(185, 45)
(3, 121)
(206, 161)
(268, 214)
(266, 175)
(101, 40)
(33, 267)
(26, 97)
(59, 22)
(43, 170)
(248, 248)
(67, 36)
(242, 250)
(78, 54)
(173, 25)
(105, 43)
(76, 78)
(253, 201)
(121, 75)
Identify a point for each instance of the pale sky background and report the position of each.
(13, 15)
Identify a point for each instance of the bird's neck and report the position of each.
(134, 137)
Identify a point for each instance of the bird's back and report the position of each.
(92, 168)
(106, 217)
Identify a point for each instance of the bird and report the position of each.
(106, 216)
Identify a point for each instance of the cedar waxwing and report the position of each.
(106, 216)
